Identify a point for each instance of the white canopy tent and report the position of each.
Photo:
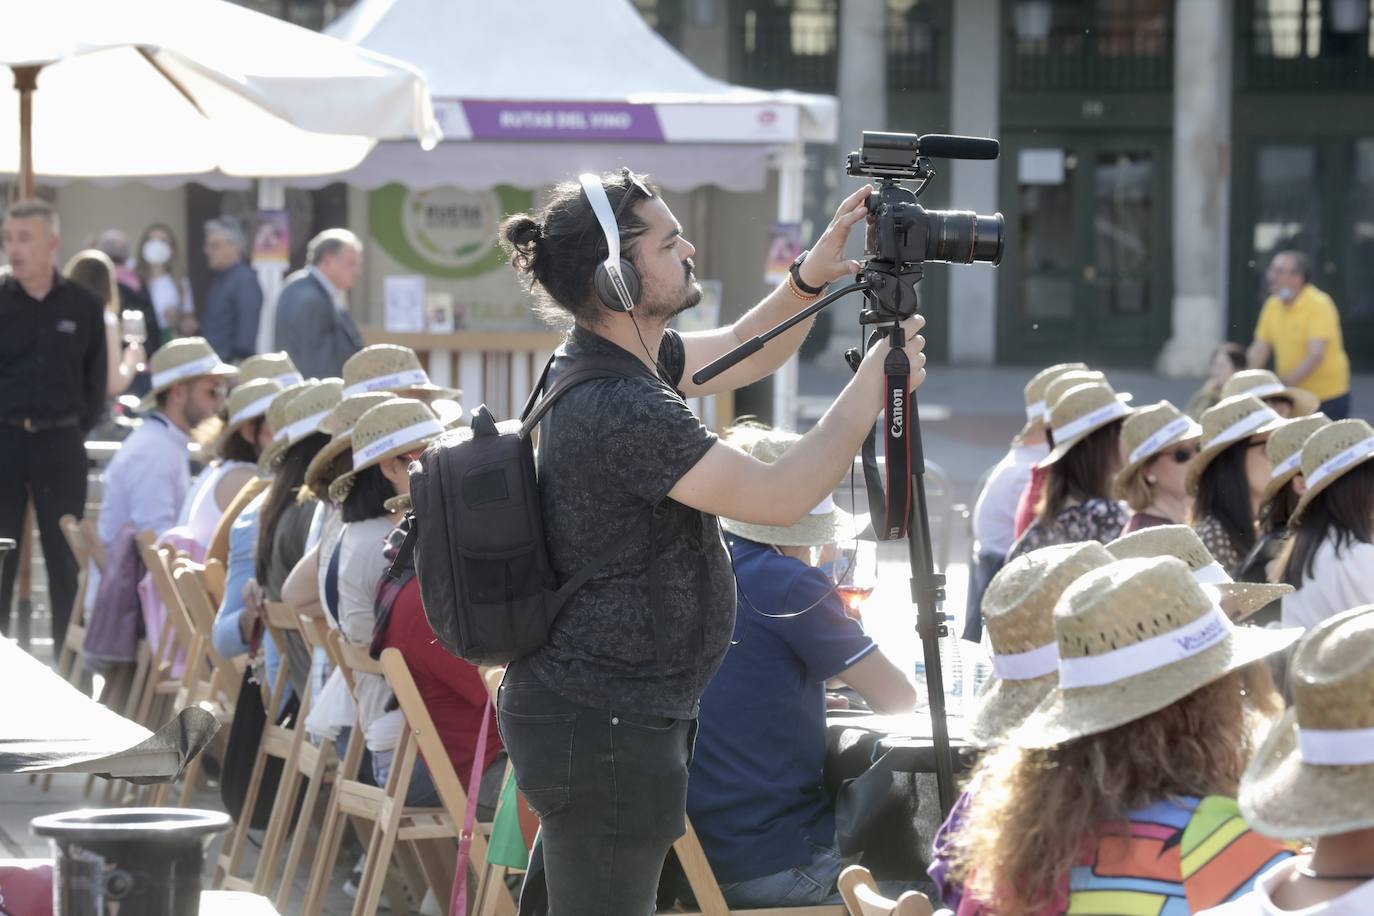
(510, 80)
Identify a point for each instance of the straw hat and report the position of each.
(1314, 774)
(393, 427)
(1148, 432)
(181, 361)
(1284, 449)
(392, 368)
(334, 459)
(1018, 609)
(1230, 421)
(1183, 543)
(1079, 412)
(1037, 410)
(246, 403)
(1264, 384)
(1329, 453)
(297, 411)
(827, 523)
(1134, 637)
(275, 366)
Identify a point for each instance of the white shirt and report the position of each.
(361, 565)
(1259, 902)
(201, 512)
(1337, 584)
(146, 483)
(994, 515)
(167, 296)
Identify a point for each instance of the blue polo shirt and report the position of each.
(755, 795)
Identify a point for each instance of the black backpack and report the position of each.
(477, 533)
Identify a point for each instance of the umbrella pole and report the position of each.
(25, 82)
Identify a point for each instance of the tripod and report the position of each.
(927, 586)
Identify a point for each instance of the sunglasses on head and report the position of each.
(633, 183)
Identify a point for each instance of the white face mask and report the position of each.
(156, 251)
(1286, 294)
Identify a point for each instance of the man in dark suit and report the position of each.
(313, 323)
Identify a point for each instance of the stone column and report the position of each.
(975, 96)
(1201, 192)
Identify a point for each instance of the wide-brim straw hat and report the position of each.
(275, 366)
(1284, 449)
(1183, 543)
(1136, 636)
(1232, 420)
(302, 409)
(1037, 410)
(1330, 453)
(827, 523)
(393, 427)
(1018, 611)
(182, 360)
(1147, 432)
(391, 368)
(247, 402)
(1264, 384)
(1313, 775)
(1080, 412)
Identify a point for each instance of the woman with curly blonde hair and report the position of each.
(1117, 795)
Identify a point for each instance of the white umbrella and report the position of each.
(169, 87)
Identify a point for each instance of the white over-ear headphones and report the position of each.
(616, 281)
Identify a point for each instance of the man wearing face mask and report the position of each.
(1300, 327)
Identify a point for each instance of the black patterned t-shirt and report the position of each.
(608, 449)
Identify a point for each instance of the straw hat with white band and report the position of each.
(1037, 411)
(182, 361)
(1230, 421)
(1080, 412)
(393, 368)
(1136, 636)
(827, 523)
(334, 459)
(300, 417)
(1147, 432)
(1183, 543)
(247, 402)
(1314, 774)
(1264, 384)
(1018, 608)
(1329, 453)
(393, 427)
(275, 366)
(1284, 449)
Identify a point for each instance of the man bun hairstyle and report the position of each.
(556, 249)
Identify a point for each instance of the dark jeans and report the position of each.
(52, 466)
(610, 789)
(1337, 408)
(980, 573)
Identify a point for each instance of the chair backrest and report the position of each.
(861, 897)
(214, 579)
(190, 585)
(421, 726)
(95, 548)
(71, 530)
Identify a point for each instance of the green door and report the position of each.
(1086, 273)
(1315, 195)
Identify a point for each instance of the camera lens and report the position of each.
(963, 237)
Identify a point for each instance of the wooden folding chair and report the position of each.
(861, 897)
(317, 764)
(710, 900)
(214, 576)
(492, 891)
(279, 742)
(69, 659)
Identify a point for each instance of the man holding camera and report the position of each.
(600, 721)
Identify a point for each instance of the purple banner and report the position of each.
(563, 121)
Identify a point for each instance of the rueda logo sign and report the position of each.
(444, 232)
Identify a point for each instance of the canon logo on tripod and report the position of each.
(898, 414)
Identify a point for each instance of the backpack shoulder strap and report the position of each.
(537, 407)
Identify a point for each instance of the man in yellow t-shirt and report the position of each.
(1300, 327)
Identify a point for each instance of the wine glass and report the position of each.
(134, 328)
(856, 571)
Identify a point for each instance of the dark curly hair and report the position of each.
(555, 251)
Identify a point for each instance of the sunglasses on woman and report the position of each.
(1183, 454)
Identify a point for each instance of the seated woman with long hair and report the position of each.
(1279, 499)
(1228, 475)
(1157, 442)
(94, 272)
(1117, 794)
(1330, 557)
(1077, 504)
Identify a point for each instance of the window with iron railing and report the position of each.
(1097, 45)
(1300, 45)
(795, 44)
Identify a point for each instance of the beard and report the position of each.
(687, 297)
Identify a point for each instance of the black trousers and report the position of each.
(50, 464)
